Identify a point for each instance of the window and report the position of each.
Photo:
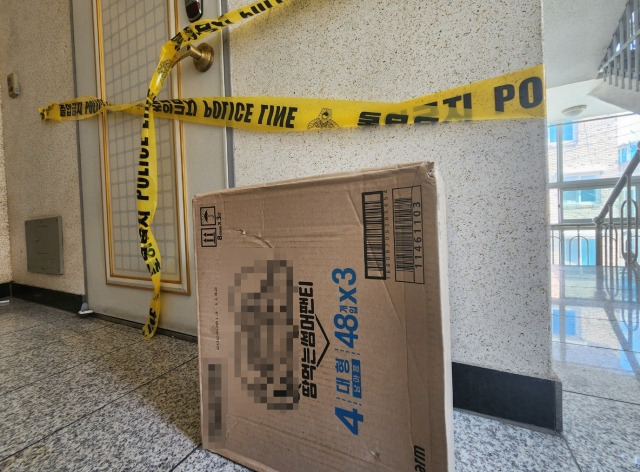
(586, 158)
(582, 204)
(569, 133)
(590, 195)
(626, 152)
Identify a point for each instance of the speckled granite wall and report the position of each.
(40, 159)
(494, 172)
(5, 245)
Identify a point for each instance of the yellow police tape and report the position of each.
(146, 188)
(518, 94)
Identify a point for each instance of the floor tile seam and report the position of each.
(67, 326)
(27, 350)
(586, 317)
(74, 319)
(120, 348)
(37, 325)
(590, 285)
(594, 347)
(509, 424)
(572, 365)
(594, 277)
(606, 454)
(580, 291)
(21, 330)
(624, 373)
(185, 458)
(86, 415)
(42, 378)
(55, 317)
(591, 303)
(603, 294)
(55, 323)
(75, 334)
(97, 356)
(594, 306)
(21, 316)
(573, 456)
(45, 323)
(624, 402)
(590, 320)
(128, 392)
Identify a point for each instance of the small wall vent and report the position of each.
(44, 245)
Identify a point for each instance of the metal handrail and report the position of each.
(610, 235)
(630, 242)
(622, 182)
(628, 219)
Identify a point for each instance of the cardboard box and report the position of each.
(323, 323)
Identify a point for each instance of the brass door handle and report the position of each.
(202, 56)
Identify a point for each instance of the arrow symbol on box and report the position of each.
(326, 340)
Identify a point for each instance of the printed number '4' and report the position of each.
(350, 418)
(346, 338)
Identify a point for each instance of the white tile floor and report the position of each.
(85, 394)
(596, 355)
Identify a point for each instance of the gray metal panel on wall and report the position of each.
(44, 245)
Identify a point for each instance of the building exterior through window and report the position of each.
(586, 159)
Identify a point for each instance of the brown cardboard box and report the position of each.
(323, 323)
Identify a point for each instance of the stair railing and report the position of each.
(621, 64)
(607, 241)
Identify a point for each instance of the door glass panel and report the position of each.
(131, 35)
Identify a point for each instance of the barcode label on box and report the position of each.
(374, 244)
(407, 235)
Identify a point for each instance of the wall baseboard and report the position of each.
(44, 296)
(513, 397)
(133, 324)
(5, 290)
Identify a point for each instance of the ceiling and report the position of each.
(576, 34)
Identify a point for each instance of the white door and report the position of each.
(117, 46)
